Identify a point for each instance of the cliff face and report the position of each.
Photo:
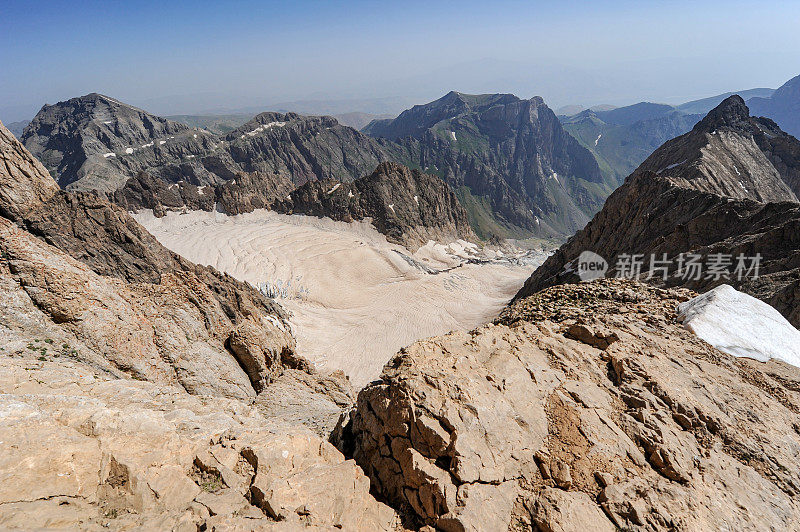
(408, 206)
(510, 154)
(96, 271)
(728, 187)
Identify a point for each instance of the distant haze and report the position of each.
(216, 57)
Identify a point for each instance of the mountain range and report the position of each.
(512, 166)
(621, 138)
(728, 187)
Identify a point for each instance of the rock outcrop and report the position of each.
(516, 170)
(86, 450)
(152, 314)
(676, 203)
(586, 407)
(408, 206)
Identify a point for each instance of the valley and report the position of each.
(355, 299)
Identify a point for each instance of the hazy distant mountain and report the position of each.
(17, 128)
(707, 104)
(516, 170)
(224, 124)
(783, 106)
(217, 124)
(620, 147)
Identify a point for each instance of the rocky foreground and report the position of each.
(585, 407)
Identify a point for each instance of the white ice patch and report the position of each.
(108, 122)
(453, 134)
(190, 156)
(597, 139)
(335, 188)
(555, 176)
(109, 154)
(200, 190)
(129, 150)
(264, 127)
(195, 135)
(148, 145)
(391, 206)
(162, 142)
(670, 167)
(349, 193)
(736, 170)
(742, 185)
(741, 325)
(416, 199)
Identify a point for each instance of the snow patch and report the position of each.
(108, 122)
(162, 142)
(349, 193)
(264, 127)
(109, 154)
(741, 325)
(597, 139)
(195, 135)
(190, 156)
(736, 170)
(148, 145)
(200, 190)
(416, 199)
(453, 134)
(335, 188)
(391, 206)
(670, 167)
(129, 150)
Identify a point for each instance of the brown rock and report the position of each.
(600, 423)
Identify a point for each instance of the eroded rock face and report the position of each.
(528, 422)
(84, 450)
(408, 206)
(500, 150)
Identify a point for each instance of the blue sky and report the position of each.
(177, 57)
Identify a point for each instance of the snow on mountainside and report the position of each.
(741, 325)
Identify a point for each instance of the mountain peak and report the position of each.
(732, 112)
(789, 89)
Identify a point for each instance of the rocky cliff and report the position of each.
(704, 193)
(408, 206)
(514, 167)
(152, 314)
(586, 407)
